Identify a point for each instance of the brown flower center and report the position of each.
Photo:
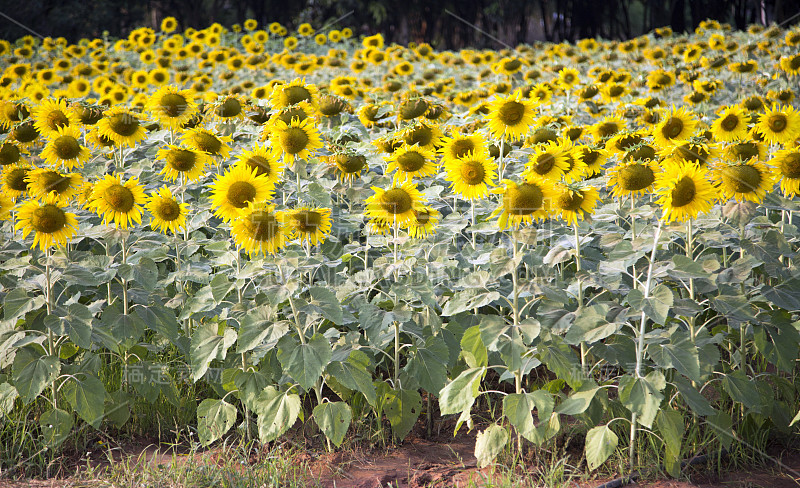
(672, 128)
(119, 198)
(396, 201)
(523, 200)
(742, 179)
(240, 193)
(511, 113)
(777, 123)
(790, 165)
(294, 140)
(684, 192)
(67, 147)
(173, 104)
(296, 94)
(168, 210)
(410, 161)
(48, 219)
(635, 177)
(181, 159)
(229, 108)
(124, 124)
(730, 122)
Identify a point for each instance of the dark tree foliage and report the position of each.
(432, 21)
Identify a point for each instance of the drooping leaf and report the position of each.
(459, 395)
(277, 412)
(304, 362)
(32, 372)
(86, 395)
(333, 418)
(490, 443)
(402, 408)
(214, 419)
(208, 344)
(56, 426)
(600, 444)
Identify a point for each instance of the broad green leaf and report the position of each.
(402, 408)
(328, 304)
(145, 272)
(490, 443)
(590, 326)
(428, 366)
(518, 409)
(254, 332)
(118, 407)
(670, 426)
(600, 444)
(250, 384)
(686, 268)
(742, 390)
(682, 355)
(79, 324)
(693, 398)
(468, 299)
(304, 362)
(578, 401)
(277, 412)
(472, 348)
(56, 426)
(214, 419)
(722, 425)
(640, 396)
(121, 327)
(207, 345)
(561, 360)
(18, 303)
(784, 295)
(656, 306)
(220, 287)
(32, 372)
(7, 396)
(333, 418)
(87, 397)
(459, 395)
(354, 377)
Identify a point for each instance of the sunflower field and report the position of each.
(266, 229)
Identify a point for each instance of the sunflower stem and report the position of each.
(238, 272)
(584, 368)
(690, 255)
(500, 163)
(300, 331)
(515, 305)
(472, 209)
(124, 281)
(396, 236)
(51, 342)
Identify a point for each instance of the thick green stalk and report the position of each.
(584, 367)
(51, 342)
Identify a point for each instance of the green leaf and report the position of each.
(742, 390)
(328, 304)
(670, 426)
(355, 377)
(600, 444)
(214, 419)
(722, 424)
(145, 272)
(472, 348)
(428, 366)
(254, 331)
(56, 426)
(578, 401)
(121, 327)
(686, 268)
(518, 409)
(682, 355)
(693, 398)
(7, 396)
(250, 384)
(207, 345)
(32, 372)
(87, 397)
(402, 408)
(18, 303)
(118, 407)
(490, 443)
(220, 287)
(304, 362)
(656, 306)
(277, 412)
(590, 326)
(468, 299)
(459, 395)
(795, 419)
(785, 295)
(333, 418)
(640, 396)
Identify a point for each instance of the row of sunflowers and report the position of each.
(167, 155)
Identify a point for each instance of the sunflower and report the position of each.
(606, 128)
(684, 191)
(411, 161)
(64, 148)
(424, 222)
(118, 202)
(264, 162)
(790, 64)
(297, 140)
(370, 114)
(204, 140)
(179, 161)
(523, 203)
(171, 107)
(510, 116)
(310, 225)
(259, 229)
(10, 153)
(51, 115)
(574, 202)
(747, 180)
(547, 161)
(459, 146)
(121, 126)
(299, 111)
(787, 165)
(779, 125)
(347, 166)
(288, 94)
(14, 180)
(397, 204)
(730, 125)
(675, 126)
(744, 150)
(593, 159)
(167, 213)
(471, 175)
(6, 205)
(227, 108)
(52, 226)
(240, 185)
(44, 181)
(632, 177)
